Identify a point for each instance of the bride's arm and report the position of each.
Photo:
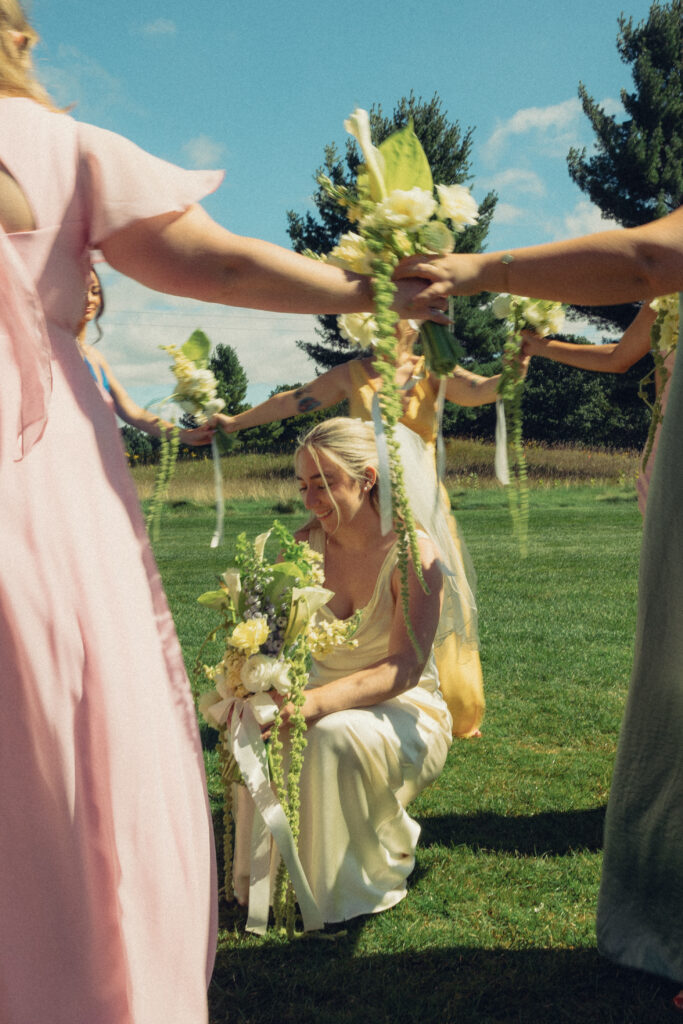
(189, 254)
(402, 668)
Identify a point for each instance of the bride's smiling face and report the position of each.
(328, 491)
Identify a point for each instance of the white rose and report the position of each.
(457, 205)
(257, 673)
(406, 208)
(280, 678)
(352, 254)
(358, 328)
(501, 307)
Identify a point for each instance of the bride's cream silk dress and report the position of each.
(362, 767)
(107, 897)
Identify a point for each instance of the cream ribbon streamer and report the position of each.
(218, 490)
(501, 456)
(249, 752)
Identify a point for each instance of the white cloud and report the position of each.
(160, 27)
(71, 77)
(506, 213)
(584, 219)
(203, 151)
(515, 179)
(555, 125)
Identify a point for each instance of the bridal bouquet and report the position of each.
(544, 317)
(196, 392)
(270, 634)
(664, 339)
(398, 211)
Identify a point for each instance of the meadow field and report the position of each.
(498, 924)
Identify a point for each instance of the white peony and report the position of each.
(257, 673)
(280, 678)
(352, 254)
(358, 328)
(457, 205)
(403, 208)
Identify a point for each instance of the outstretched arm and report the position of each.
(611, 358)
(602, 269)
(321, 393)
(143, 419)
(189, 254)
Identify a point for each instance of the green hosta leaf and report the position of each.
(405, 163)
(197, 348)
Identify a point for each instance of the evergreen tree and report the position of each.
(448, 150)
(232, 380)
(636, 173)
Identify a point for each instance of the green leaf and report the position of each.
(197, 348)
(405, 162)
(214, 599)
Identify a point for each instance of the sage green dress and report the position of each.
(640, 909)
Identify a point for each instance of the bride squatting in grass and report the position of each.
(378, 729)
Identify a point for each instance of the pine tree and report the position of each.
(448, 150)
(636, 173)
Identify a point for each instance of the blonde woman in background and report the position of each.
(357, 382)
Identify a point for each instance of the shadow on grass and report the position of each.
(551, 833)
(328, 983)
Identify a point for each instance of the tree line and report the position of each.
(633, 174)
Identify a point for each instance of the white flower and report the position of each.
(358, 125)
(214, 406)
(260, 544)
(280, 678)
(233, 582)
(501, 307)
(358, 328)
(457, 205)
(555, 320)
(257, 673)
(352, 254)
(403, 208)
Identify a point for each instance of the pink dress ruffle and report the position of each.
(107, 888)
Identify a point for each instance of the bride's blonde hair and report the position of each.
(350, 444)
(16, 73)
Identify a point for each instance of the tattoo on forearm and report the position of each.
(305, 403)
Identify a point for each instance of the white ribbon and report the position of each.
(440, 447)
(250, 754)
(386, 518)
(501, 456)
(218, 488)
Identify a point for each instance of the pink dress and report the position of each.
(107, 898)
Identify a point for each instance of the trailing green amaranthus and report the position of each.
(663, 339)
(398, 211)
(543, 317)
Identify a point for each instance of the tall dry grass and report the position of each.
(469, 464)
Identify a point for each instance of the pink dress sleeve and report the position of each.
(126, 184)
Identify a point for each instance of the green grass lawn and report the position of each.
(498, 925)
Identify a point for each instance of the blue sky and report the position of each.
(259, 89)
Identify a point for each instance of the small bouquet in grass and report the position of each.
(544, 317)
(398, 211)
(270, 634)
(196, 392)
(664, 339)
